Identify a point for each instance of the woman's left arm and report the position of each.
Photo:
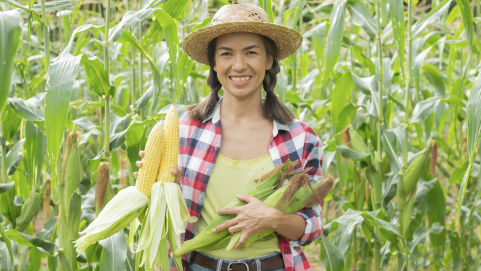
(312, 215)
(301, 228)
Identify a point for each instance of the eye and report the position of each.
(224, 53)
(252, 52)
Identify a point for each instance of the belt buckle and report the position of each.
(228, 266)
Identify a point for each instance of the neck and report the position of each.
(235, 109)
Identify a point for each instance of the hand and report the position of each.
(177, 171)
(252, 218)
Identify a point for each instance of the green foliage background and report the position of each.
(390, 86)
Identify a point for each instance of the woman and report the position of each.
(243, 49)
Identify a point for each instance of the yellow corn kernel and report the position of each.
(151, 160)
(171, 146)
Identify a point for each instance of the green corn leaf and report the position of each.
(63, 262)
(300, 7)
(368, 86)
(467, 16)
(435, 78)
(27, 240)
(268, 9)
(114, 253)
(10, 31)
(14, 156)
(129, 19)
(334, 38)
(61, 75)
(169, 25)
(340, 95)
(7, 242)
(4, 187)
(436, 213)
(153, 35)
(35, 148)
(424, 109)
(362, 17)
(129, 39)
(396, 7)
(348, 153)
(29, 209)
(96, 76)
(35, 259)
(455, 244)
(29, 109)
(429, 18)
(474, 129)
(176, 8)
(330, 257)
(10, 123)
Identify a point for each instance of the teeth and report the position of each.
(240, 79)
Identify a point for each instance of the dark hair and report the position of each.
(273, 108)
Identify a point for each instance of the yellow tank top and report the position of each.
(230, 177)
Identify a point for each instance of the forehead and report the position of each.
(239, 40)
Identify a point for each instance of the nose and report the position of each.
(239, 63)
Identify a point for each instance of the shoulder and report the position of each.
(300, 128)
(184, 118)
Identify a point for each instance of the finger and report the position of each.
(139, 164)
(136, 174)
(141, 153)
(235, 228)
(245, 197)
(225, 225)
(177, 171)
(229, 210)
(242, 240)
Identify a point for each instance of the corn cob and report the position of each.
(103, 189)
(415, 170)
(315, 193)
(171, 147)
(130, 202)
(46, 197)
(434, 156)
(151, 161)
(207, 238)
(167, 205)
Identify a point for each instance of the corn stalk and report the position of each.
(46, 41)
(380, 125)
(107, 95)
(401, 197)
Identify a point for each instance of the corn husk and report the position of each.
(207, 238)
(291, 205)
(117, 214)
(167, 206)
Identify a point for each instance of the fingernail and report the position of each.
(213, 230)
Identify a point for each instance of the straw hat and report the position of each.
(241, 18)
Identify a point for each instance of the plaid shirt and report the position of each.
(198, 149)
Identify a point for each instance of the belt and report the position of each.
(271, 263)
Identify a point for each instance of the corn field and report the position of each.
(390, 87)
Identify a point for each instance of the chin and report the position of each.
(241, 93)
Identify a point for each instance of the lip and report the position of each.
(240, 83)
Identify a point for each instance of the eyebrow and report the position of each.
(230, 49)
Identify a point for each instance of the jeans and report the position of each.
(195, 267)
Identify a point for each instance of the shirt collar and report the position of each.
(215, 116)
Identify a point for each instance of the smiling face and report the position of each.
(241, 62)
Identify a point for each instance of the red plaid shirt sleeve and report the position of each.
(313, 215)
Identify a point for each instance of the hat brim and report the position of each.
(287, 39)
